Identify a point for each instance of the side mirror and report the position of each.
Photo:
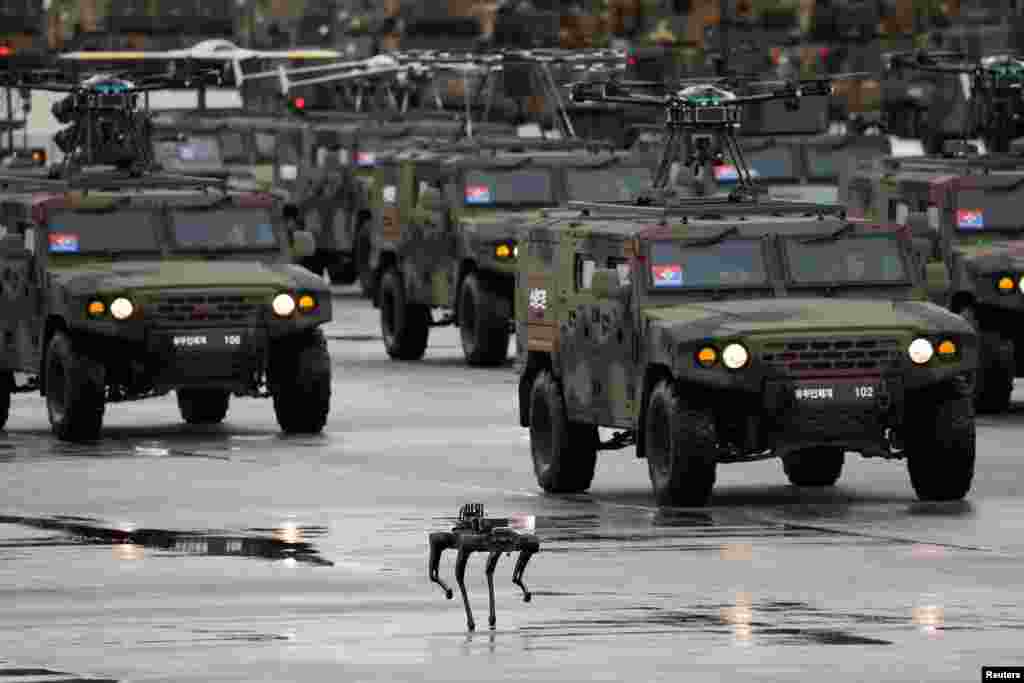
(605, 284)
(303, 244)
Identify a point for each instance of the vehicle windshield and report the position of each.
(103, 232)
(183, 154)
(860, 259)
(225, 229)
(982, 210)
(614, 184)
(508, 188)
(737, 262)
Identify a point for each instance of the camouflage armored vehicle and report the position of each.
(717, 332)
(138, 287)
(447, 239)
(965, 216)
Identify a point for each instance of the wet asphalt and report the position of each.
(232, 553)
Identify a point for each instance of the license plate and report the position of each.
(833, 391)
(207, 340)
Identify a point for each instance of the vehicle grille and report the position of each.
(815, 356)
(207, 308)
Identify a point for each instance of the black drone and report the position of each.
(106, 127)
(476, 533)
(996, 102)
(700, 112)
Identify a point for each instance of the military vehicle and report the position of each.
(446, 241)
(718, 331)
(965, 218)
(117, 288)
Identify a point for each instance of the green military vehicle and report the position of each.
(133, 288)
(718, 332)
(965, 218)
(446, 243)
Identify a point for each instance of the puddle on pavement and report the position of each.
(286, 544)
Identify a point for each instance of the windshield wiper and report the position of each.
(831, 237)
(709, 241)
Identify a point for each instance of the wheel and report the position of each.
(680, 444)
(363, 253)
(405, 327)
(564, 453)
(996, 368)
(75, 387)
(6, 387)
(341, 272)
(940, 449)
(203, 406)
(815, 466)
(301, 383)
(483, 331)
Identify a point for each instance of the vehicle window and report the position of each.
(491, 188)
(624, 268)
(862, 259)
(608, 184)
(193, 152)
(230, 228)
(730, 263)
(980, 210)
(266, 145)
(232, 146)
(775, 163)
(585, 267)
(90, 232)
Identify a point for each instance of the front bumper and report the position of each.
(227, 358)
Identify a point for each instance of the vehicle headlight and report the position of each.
(503, 251)
(707, 356)
(1005, 284)
(96, 308)
(946, 348)
(735, 356)
(515, 254)
(283, 305)
(1020, 285)
(921, 351)
(121, 308)
(306, 303)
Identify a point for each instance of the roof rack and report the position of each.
(112, 181)
(715, 206)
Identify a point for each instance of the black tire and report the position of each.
(75, 392)
(362, 251)
(680, 443)
(6, 387)
(301, 383)
(997, 366)
(483, 331)
(405, 327)
(203, 406)
(564, 453)
(941, 450)
(342, 273)
(815, 466)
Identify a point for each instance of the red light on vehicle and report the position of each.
(823, 52)
(6, 51)
(299, 102)
(631, 60)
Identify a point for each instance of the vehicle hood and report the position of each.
(184, 274)
(797, 315)
(500, 224)
(994, 256)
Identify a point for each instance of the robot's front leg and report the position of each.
(439, 542)
(517, 573)
(460, 579)
(492, 564)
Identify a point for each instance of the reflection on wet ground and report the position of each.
(285, 544)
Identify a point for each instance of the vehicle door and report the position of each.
(385, 194)
(21, 278)
(435, 230)
(604, 334)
